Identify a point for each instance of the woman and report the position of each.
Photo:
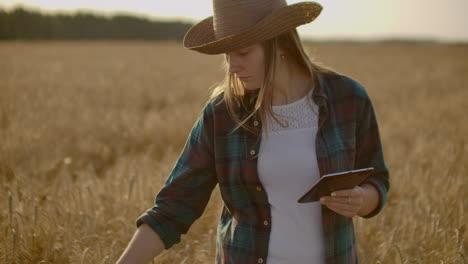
(276, 124)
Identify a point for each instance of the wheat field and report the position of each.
(89, 131)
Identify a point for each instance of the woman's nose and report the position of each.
(233, 64)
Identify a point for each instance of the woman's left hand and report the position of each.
(351, 202)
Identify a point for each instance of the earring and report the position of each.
(282, 57)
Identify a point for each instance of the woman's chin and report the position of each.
(250, 86)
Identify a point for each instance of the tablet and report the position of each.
(329, 183)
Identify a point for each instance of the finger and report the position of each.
(348, 192)
(350, 208)
(342, 206)
(343, 200)
(343, 193)
(341, 211)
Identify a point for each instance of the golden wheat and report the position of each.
(90, 131)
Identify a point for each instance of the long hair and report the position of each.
(234, 90)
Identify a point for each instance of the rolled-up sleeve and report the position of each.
(369, 151)
(184, 196)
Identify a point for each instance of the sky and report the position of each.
(340, 19)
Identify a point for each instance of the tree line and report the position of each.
(20, 23)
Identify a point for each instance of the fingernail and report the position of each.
(322, 199)
(333, 194)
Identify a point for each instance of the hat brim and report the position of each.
(201, 37)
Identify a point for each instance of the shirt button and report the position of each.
(259, 188)
(260, 260)
(265, 222)
(255, 123)
(252, 152)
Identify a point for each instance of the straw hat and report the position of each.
(241, 23)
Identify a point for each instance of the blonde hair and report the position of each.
(234, 90)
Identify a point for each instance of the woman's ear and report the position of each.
(280, 53)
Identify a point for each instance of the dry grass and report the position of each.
(90, 130)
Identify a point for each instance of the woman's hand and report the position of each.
(144, 246)
(361, 200)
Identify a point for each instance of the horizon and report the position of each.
(341, 25)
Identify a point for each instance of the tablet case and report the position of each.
(329, 183)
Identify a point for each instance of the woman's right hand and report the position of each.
(144, 246)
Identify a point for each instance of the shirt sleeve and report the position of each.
(369, 151)
(188, 188)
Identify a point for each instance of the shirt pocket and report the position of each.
(230, 147)
(342, 149)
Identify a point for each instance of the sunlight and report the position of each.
(350, 19)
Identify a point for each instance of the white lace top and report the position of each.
(287, 168)
(299, 114)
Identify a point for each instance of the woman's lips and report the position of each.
(244, 78)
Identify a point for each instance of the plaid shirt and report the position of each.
(347, 138)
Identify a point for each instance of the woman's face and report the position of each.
(248, 65)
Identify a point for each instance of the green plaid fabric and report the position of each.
(347, 138)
